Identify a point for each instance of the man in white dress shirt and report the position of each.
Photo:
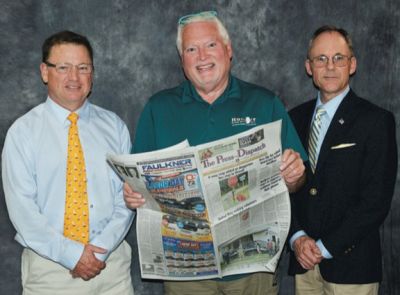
(34, 166)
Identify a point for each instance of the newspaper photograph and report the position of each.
(211, 210)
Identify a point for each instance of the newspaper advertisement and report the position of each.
(211, 210)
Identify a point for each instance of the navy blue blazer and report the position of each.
(347, 199)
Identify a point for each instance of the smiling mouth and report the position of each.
(73, 87)
(206, 67)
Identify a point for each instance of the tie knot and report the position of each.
(320, 112)
(73, 117)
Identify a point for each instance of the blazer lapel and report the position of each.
(304, 132)
(339, 125)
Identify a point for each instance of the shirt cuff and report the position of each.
(71, 253)
(325, 253)
(295, 236)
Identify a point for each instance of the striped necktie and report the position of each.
(76, 216)
(314, 136)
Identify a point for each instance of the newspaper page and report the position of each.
(247, 199)
(173, 229)
(212, 210)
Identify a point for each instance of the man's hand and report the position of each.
(292, 170)
(88, 265)
(307, 252)
(132, 199)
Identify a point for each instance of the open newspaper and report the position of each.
(212, 210)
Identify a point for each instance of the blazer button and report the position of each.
(313, 191)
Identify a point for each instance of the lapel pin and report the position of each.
(341, 121)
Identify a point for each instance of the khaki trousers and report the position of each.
(253, 284)
(312, 283)
(41, 276)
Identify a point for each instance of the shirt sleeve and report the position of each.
(20, 189)
(145, 132)
(117, 228)
(325, 253)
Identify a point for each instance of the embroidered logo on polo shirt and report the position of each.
(246, 121)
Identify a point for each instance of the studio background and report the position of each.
(135, 56)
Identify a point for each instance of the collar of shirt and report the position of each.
(332, 105)
(232, 91)
(62, 114)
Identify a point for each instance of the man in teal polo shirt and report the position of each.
(210, 105)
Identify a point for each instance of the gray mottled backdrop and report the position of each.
(135, 56)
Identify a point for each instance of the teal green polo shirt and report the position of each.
(179, 113)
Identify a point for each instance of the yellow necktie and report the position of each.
(76, 216)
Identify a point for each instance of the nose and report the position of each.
(202, 54)
(73, 73)
(330, 64)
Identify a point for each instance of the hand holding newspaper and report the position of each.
(212, 210)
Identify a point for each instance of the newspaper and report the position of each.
(212, 210)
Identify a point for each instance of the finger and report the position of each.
(96, 249)
(286, 154)
(134, 200)
(316, 251)
(127, 188)
(96, 266)
(306, 266)
(293, 172)
(304, 263)
(306, 255)
(309, 264)
(311, 259)
(129, 193)
(284, 159)
(91, 270)
(292, 177)
(289, 158)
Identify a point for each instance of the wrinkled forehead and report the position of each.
(199, 31)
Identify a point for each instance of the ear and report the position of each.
(44, 71)
(353, 65)
(308, 67)
(230, 50)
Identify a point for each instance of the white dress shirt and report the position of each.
(34, 178)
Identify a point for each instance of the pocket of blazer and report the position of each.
(342, 146)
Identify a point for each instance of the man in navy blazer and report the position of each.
(337, 214)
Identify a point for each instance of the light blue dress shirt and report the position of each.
(33, 169)
(330, 107)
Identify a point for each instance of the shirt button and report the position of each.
(91, 205)
(212, 121)
(313, 191)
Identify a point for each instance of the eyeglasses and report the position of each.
(338, 60)
(204, 14)
(65, 68)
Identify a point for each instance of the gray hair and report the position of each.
(201, 17)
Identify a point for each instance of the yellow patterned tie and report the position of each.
(76, 216)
